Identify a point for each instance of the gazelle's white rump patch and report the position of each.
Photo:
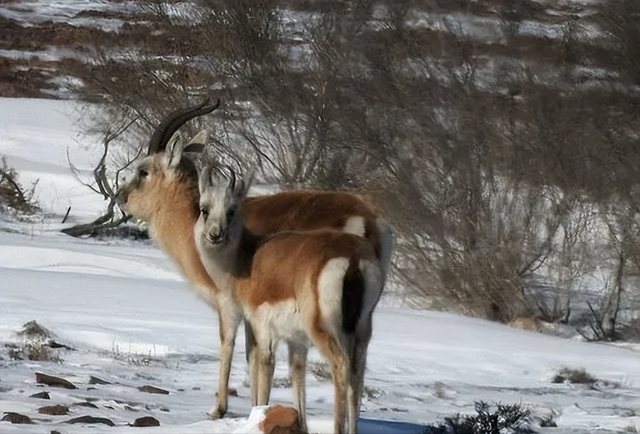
(355, 225)
(330, 284)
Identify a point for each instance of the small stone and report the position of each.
(96, 380)
(91, 420)
(280, 420)
(41, 395)
(146, 421)
(50, 380)
(153, 389)
(54, 410)
(16, 418)
(85, 404)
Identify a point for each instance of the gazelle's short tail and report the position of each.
(353, 293)
(362, 287)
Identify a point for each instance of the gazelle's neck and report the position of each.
(172, 225)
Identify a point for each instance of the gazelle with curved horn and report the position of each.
(303, 287)
(164, 192)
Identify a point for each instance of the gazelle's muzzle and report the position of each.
(216, 236)
(122, 196)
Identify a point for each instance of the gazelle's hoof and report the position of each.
(217, 413)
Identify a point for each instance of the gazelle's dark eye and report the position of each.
(204, 212)
(142, 173)
(231, 213)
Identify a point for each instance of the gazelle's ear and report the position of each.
(198, 143)
(205, 179)
(174, 151)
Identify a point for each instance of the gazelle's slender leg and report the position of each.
(297, 371)
(271, 366)
(265, 359)
(251, 356)
(249, 340)
(228, 323)
(339, 372)
(358, 364)
(356, 383)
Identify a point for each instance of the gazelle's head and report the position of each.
(168, 167)
(221, 198)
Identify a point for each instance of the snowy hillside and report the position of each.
(133, 322)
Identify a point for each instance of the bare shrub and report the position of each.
(107, 187)
(492, 155)
(14, 196)
(491, 419)
(38, 344)
(576, 376)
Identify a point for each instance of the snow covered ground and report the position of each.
(132, 321)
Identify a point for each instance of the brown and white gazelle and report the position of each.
(164, 192)
(302, 287)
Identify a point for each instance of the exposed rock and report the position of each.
(91, 420)
(146, 421)
(280, 420)
(54, 410)
(34, 330)
(85, 404)
(41, 395)
(16, 418)
(54, 381)
(96, 380)
(153, 389)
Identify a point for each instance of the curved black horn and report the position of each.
(175, 120)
